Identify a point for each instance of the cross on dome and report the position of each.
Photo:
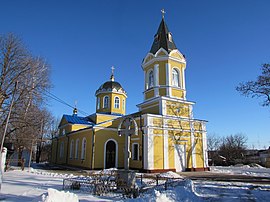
(112, 75)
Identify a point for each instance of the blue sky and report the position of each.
(225, 42)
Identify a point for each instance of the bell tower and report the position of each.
(164, 67)
(164, 74)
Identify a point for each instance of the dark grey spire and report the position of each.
(163, 39)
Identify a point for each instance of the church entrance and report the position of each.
(110, 154)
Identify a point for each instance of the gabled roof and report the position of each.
(74, 119)
(163, 39)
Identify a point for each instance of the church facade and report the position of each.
(169, 137)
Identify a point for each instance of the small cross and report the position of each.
(112, 69)
(163, 12)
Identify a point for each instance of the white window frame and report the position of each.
(133, 151)
(116, 105)
(77, 149)
(71, 149)
(175, 77)
(83, 152)
(123, 103)
(106, 103)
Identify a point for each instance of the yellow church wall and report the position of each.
(62, 159)
(171, 143)
(75, 127)
(162, 91)
(149, 94)
(176, 55)
(199, 152)
(160, 54)
(162, 73)
(119, 110)
(149, 57)
(86, 162)
(54, 150)
(176, 64)
(152, 110)
(136, 164)
(158, 152)
(172, 109)
(178, 93)
(197, 126)
(101, 136)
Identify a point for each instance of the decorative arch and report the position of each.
(116, 152)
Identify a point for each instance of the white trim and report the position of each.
(205, 154)
(156, 74)
(116, 152)
(183, 79)
(161, 58)
(193, 146)
(112, 91)
(166, 149)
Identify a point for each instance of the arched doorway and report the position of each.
(110, 154)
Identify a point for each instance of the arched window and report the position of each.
(116, 102)
(83, 149)
(77, 149)
(175, 78)
(71, 149)
(106, 102)
(98, 102)
(151, 79)
(61, 150)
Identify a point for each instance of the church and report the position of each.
(168, 137)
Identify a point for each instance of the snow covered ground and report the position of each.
(38, 185)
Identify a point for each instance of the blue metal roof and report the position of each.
(74, 119)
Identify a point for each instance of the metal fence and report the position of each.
(104, 183)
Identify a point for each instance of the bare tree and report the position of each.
(233, 148)
(259, 87)
(17, 64)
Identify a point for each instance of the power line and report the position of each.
(54, 97)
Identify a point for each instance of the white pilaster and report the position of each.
(168, 79)
(183, 79)
(205, 154)
(193, 152)
(166, 149)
